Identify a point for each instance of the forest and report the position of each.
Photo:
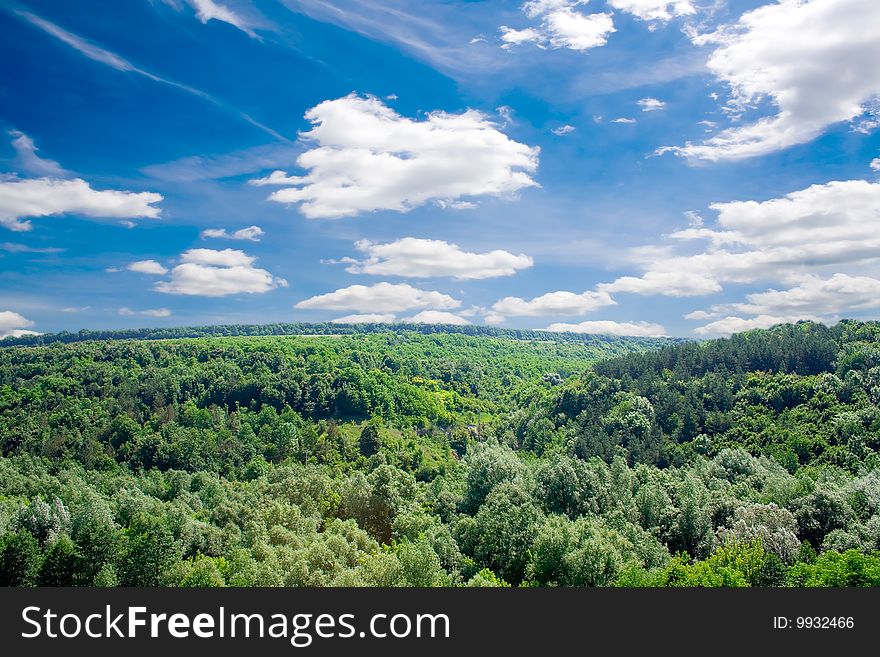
(320, 455)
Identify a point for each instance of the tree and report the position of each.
(59, 563)
(504, 530)
(150, 550)
(369, 441)
(19, 559)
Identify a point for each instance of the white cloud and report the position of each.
(209, 273)
(667, 283)
(147, 267)
(552, 303)
(366, 157)
(560, 26)
(607, 327)
(875, 164)
(193, 168)
(207, 10)
(422, 258)
(436, 317)
(623, 119)
(730, 325)
(152, 312)
(27, 160)
(505, 113)
(380, 298)
(815, 61)
(779, 239)
(655, 10)
(651, 104)
(366, 318)
(813, 297)
(251, 234)
(41, 197)
(563, 130)
(14, 325)
(455, 205)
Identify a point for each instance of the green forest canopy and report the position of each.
(440, 457)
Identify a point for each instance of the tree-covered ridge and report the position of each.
(322, 328)
(426, 460)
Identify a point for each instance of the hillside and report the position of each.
(325, 328)
(436, 458)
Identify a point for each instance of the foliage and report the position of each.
(431, 456)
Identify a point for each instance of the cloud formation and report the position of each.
(14, 325)
(836, 223)
(560, 25)
(207, 10)
(27, 160)
(365, 157)
(251, 234)
(422, 258)
(380, 298)
(41, 197)
(436, 317)
(210, 273)
(365, 318)
(548, 305)
(813, 297)
(655, 10)
(150, 312)
(651, 104)
(111, 59)
(147, 267)
(815, 61)
(607, 327)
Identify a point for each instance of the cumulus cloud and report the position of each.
(423, 258)
(607, 327)
(655, 10)
(436, 317)
(815, 61)
(623, 119)
(151, 312)
(41, 197)
(14, 325)
(821, 226)
(651, 104)
(668, 283)
(548, 305)
(251, 234)
(813, 297)
(380, 298)
(365, 318)
(816, 297)
(563, 130)
(560, 25)
(364, 157)
(875, 164)
(728, 325)
(147, 267)
(210, 273)
(26, 158)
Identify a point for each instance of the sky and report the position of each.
(689, 168)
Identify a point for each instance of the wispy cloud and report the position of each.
(111, 59)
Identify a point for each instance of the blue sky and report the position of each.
(645, 167)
